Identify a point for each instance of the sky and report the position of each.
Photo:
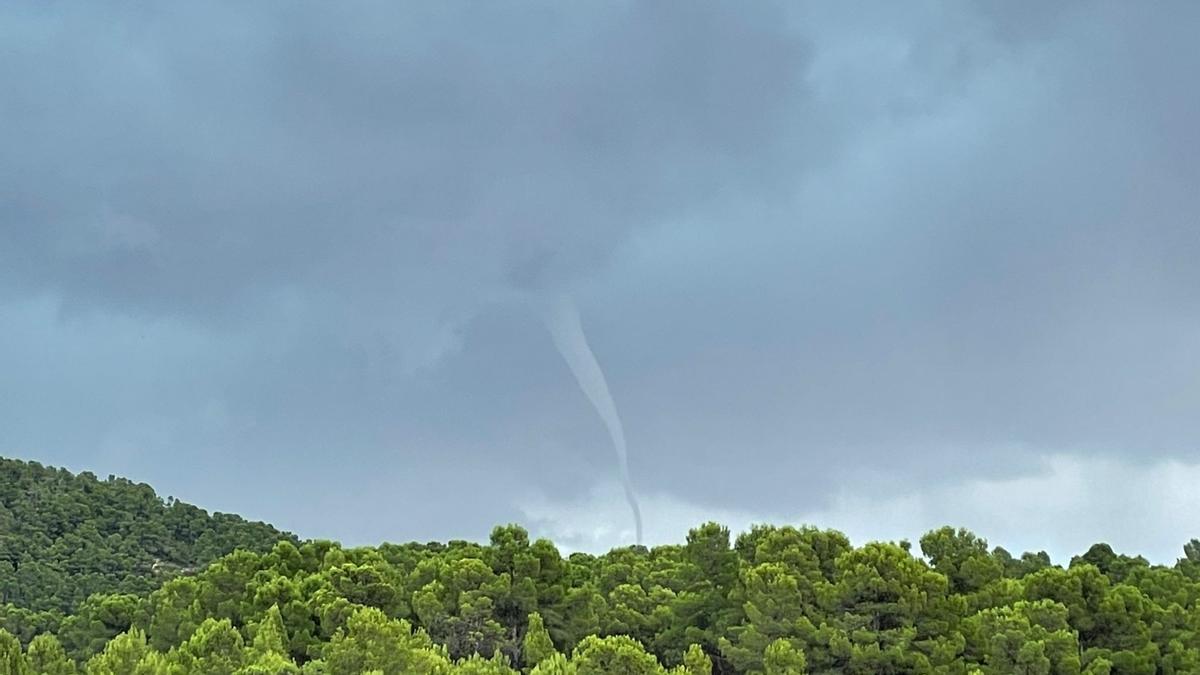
(877, 267)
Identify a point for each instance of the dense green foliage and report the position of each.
(777, 600)
(65, 537)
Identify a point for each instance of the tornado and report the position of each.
(562, 319)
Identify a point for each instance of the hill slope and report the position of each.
(775, 599)
(64, 537)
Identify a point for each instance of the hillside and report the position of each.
(64, 537)
(777, 600)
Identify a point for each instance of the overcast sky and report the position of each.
(873, 266)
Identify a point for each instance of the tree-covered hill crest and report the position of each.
(775, 600)
(64, 536)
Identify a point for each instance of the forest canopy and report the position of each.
(64, 537)
(104, 577)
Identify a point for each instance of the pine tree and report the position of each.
(11, 661)
(537, 645)
(45, 656)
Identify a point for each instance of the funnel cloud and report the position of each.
(565, 327)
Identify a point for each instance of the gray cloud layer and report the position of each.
(818, 248)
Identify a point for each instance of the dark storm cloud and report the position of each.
(181, 160)
(1008, 273)
(333, 190)
(817, 246)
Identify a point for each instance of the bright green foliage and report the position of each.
(11, 660)
(616, 655)
(318, 667)
(270, 637)
(269, 663)
(777, 599)
(1179, 659)
(557, 664)
(782, 658)
(696, 662)
(883, 588)
(372, 641)
(536, 646)
(1027, 637)
(214, 649)
(123, 655)
(795, 594)
(45, 656)
(962, 557)
(477, 665)
(775, 607)
(458, 607)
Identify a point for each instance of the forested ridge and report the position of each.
(64, 537)
(775, 600)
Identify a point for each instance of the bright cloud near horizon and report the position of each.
(872, 266)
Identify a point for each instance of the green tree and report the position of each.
(783, 658)
(962, 557)
(556, 664)
(615, 655)
(458, 607)
(1115, 567)
(11, 660)
(1028, 638)
(372, 641)
(581, 608)
(537, 645)
(216, 648)
(696, 662)
(477, 665)
(123, 655)
(270, 637)
(887, 601)
(45, 656)
(268, 663)
(774, 607)
(97, 621)
(175, 613)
